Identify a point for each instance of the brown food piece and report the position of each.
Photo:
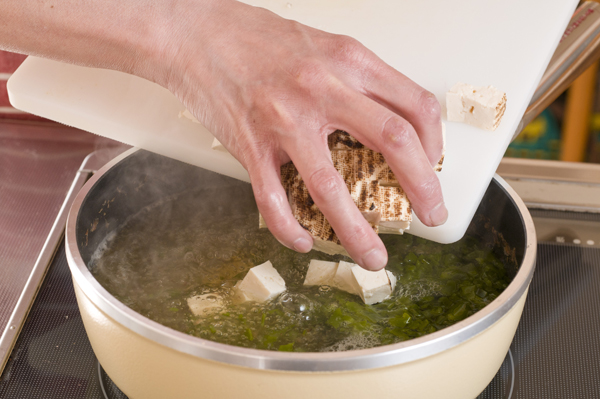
(384, 206)
(371, 184)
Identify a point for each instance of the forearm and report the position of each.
(131, 36)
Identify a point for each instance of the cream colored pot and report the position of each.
(147, 360)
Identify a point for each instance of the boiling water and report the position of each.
(193, 245)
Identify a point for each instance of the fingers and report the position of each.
(382, 83)
(386, 132)
(417, 105)
(405, 155)
(330, 194)
(274, 207)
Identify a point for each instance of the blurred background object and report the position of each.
(568, 129)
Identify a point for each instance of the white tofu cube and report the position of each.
(239, 296)
(262, 224)
(216, 145)
(202, 305)
(394, 227)
(262, 283)
(374, 287)
(482, 107)
(392, 279)
(320, 272)
(344, 279)
(188, 115)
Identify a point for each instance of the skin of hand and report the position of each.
(269, 89)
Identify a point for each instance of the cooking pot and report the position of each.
(148, 360)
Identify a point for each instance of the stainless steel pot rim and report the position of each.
(377, 357)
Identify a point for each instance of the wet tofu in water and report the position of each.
(344, 279)
(320, 272)
(202, 305)
(374, 287)
(262, 283)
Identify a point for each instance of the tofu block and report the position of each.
(320, 272)
(394, 227)
(344, 279)
(482, 107)
(239, 296)
(374, 287)
(262, 283)
(202, 305)
(392, 279)
(262, 224)
(216, 145)
(188, 115)
(328, 247)
(438, 166)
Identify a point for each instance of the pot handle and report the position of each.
(578, 49)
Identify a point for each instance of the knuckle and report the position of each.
(429, 107)
(309, 73)
(254, 153)
(267, 200)
(429, 190)
(397, 133)
(283, 119)
(271, 112)
(325, 183)
(258, 151)
(357, 235)
(271, 205)
(278, 225)
(346, 48)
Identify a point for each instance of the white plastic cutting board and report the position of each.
(504, 43)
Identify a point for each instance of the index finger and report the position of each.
(413, 103)
(394, 137)
(329, 192)
(385, 85)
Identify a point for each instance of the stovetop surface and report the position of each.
(555, 352)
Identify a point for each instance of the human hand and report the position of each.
(271, 90)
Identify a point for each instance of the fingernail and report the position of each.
(374, 260)
(302, 245)
(438, 215)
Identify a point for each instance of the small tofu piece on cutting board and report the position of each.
(482, 107)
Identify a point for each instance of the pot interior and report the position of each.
(143, 180)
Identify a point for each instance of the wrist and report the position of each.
(175, 28)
